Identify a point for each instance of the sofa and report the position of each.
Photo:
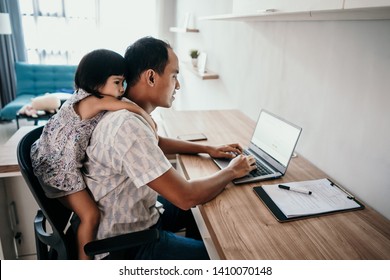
(33, 80)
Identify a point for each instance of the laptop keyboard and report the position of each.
(261, 168)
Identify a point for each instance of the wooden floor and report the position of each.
(8, 128)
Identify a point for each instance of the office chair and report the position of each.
(60, 241)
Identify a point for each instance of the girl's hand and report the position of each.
(152, 123)
(225, 151)
(146, 116)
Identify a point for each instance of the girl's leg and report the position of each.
(86, 209)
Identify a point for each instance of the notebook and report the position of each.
(272, 144)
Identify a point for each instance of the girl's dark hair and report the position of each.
(146, 53)
(96, 67)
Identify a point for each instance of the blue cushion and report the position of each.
(37, 79)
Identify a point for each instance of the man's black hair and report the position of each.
(146, 53)
(96, 67)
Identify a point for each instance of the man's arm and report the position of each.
(176, 146)
(186, 194)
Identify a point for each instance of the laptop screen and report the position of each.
(276, 137)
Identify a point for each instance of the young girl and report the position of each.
(58, 154)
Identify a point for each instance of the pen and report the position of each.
(294, 189)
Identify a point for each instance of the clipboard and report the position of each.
(268, 200)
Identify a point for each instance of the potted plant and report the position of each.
(194, 57)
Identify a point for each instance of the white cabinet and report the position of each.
(6, 235)
(17, 205)
(351, 4)
(20, 208)
(284, 6)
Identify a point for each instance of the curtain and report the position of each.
(11, 50)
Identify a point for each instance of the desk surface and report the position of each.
(8, 158)
(240, 225)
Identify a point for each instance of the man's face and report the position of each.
(167, 83)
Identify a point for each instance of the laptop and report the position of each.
(272, 145)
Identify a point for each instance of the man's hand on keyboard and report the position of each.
(242, 165)
(225, 151)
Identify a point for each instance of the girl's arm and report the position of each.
(91, 106)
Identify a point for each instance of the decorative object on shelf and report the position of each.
(194, 56)
(189, 22)
(202, 63)
(188, 26)
(207, 75)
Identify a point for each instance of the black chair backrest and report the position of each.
(57, 243)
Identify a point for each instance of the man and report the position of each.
(126, 168)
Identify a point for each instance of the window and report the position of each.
(62, 31)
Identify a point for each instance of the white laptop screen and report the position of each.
(275, 137)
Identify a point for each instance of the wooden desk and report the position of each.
(241, 227)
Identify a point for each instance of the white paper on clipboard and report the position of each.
(325, 197)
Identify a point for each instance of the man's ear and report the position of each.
(150, 76)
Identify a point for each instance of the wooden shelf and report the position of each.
(183, 30)
(377, 13)
(208, 75)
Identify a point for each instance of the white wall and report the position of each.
(330, 77)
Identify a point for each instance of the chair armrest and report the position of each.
(121, 242)
(40, 230)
